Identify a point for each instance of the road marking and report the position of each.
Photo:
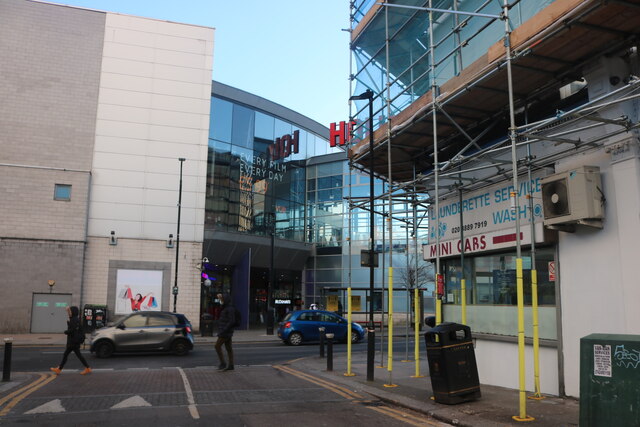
(131, 402)
(405, 417)
(21, 389)
(54, 406)
(342, 391)
(193, 410)
(24, 392)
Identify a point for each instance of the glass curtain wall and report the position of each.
(328, 213)
(257, 167)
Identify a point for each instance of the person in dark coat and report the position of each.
(75, 337)
(226, 325)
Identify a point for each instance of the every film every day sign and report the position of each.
(488, 220)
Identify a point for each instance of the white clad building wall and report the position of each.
(598, 268)
(153, 108)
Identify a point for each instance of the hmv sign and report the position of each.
(284, 146)
(340, 133)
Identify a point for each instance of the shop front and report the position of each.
(477, 248)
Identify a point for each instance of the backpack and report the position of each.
(238, 318)
(78, 336)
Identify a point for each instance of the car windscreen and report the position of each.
(288, 316)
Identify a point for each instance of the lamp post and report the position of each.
(175, 283)
(371, 333)
(271, 224)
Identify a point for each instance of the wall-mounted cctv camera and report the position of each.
(205, 260)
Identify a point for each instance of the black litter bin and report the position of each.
(206, 325)
(452, 363)
(94, 317)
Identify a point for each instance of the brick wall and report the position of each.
(26, 266)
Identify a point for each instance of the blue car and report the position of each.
(303, 325)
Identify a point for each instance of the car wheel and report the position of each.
(295, 338)
(104, 349)
(180, 348)
(355, 337)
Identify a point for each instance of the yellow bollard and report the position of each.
(521, 365)
(349, 373)
(390, 342)
(416, 323)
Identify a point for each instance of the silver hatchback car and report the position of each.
(144, 332)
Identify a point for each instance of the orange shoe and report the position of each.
(56, 370)
(86, 371)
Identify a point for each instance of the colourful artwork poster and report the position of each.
(138, 290)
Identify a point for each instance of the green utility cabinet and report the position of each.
(610, 380)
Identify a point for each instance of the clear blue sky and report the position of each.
(292, 52)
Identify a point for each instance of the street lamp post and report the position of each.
(271, 223)
(371, 332)
(175, 283)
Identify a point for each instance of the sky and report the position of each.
(292, 52)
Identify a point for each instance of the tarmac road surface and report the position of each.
(278, 395)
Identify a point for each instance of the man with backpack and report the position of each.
(227, 322)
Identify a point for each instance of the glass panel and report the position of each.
(160, 320)
(243, 124)
(330, 182)
(135, 321)
(264, 126)
(334, 276)
(220, 120)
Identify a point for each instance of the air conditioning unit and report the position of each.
(573, 198)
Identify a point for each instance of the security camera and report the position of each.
(205, 260)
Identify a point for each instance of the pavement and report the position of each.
(400, 386)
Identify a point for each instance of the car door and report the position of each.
(160, 330)
(130, 334)
(308, 323)
(333, 324)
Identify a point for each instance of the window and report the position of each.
(62, 192)
(220, 120)
(160, 320)
(135, 321)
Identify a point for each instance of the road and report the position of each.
(165, 390)
(41, 358)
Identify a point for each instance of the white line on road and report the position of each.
(192, 403)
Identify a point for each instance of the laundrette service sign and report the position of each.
(488, 220)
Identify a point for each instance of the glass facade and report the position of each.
(263, 168)
(337, 263)
(257, 167)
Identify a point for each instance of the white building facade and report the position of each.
(100, 108)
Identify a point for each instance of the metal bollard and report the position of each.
(321, 341)
(329, 352)
(6, 366)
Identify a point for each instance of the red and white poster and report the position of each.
(552, 271)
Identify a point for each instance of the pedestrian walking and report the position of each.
(226, 325)
(75, 337)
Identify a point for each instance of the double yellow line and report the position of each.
(342, 391)
(406, 417)
(15, 397)
(397, 414)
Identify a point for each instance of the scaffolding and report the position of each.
(452, 121)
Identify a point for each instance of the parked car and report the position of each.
(144, 332)
(300, 326)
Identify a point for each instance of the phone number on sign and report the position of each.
(469, 227)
